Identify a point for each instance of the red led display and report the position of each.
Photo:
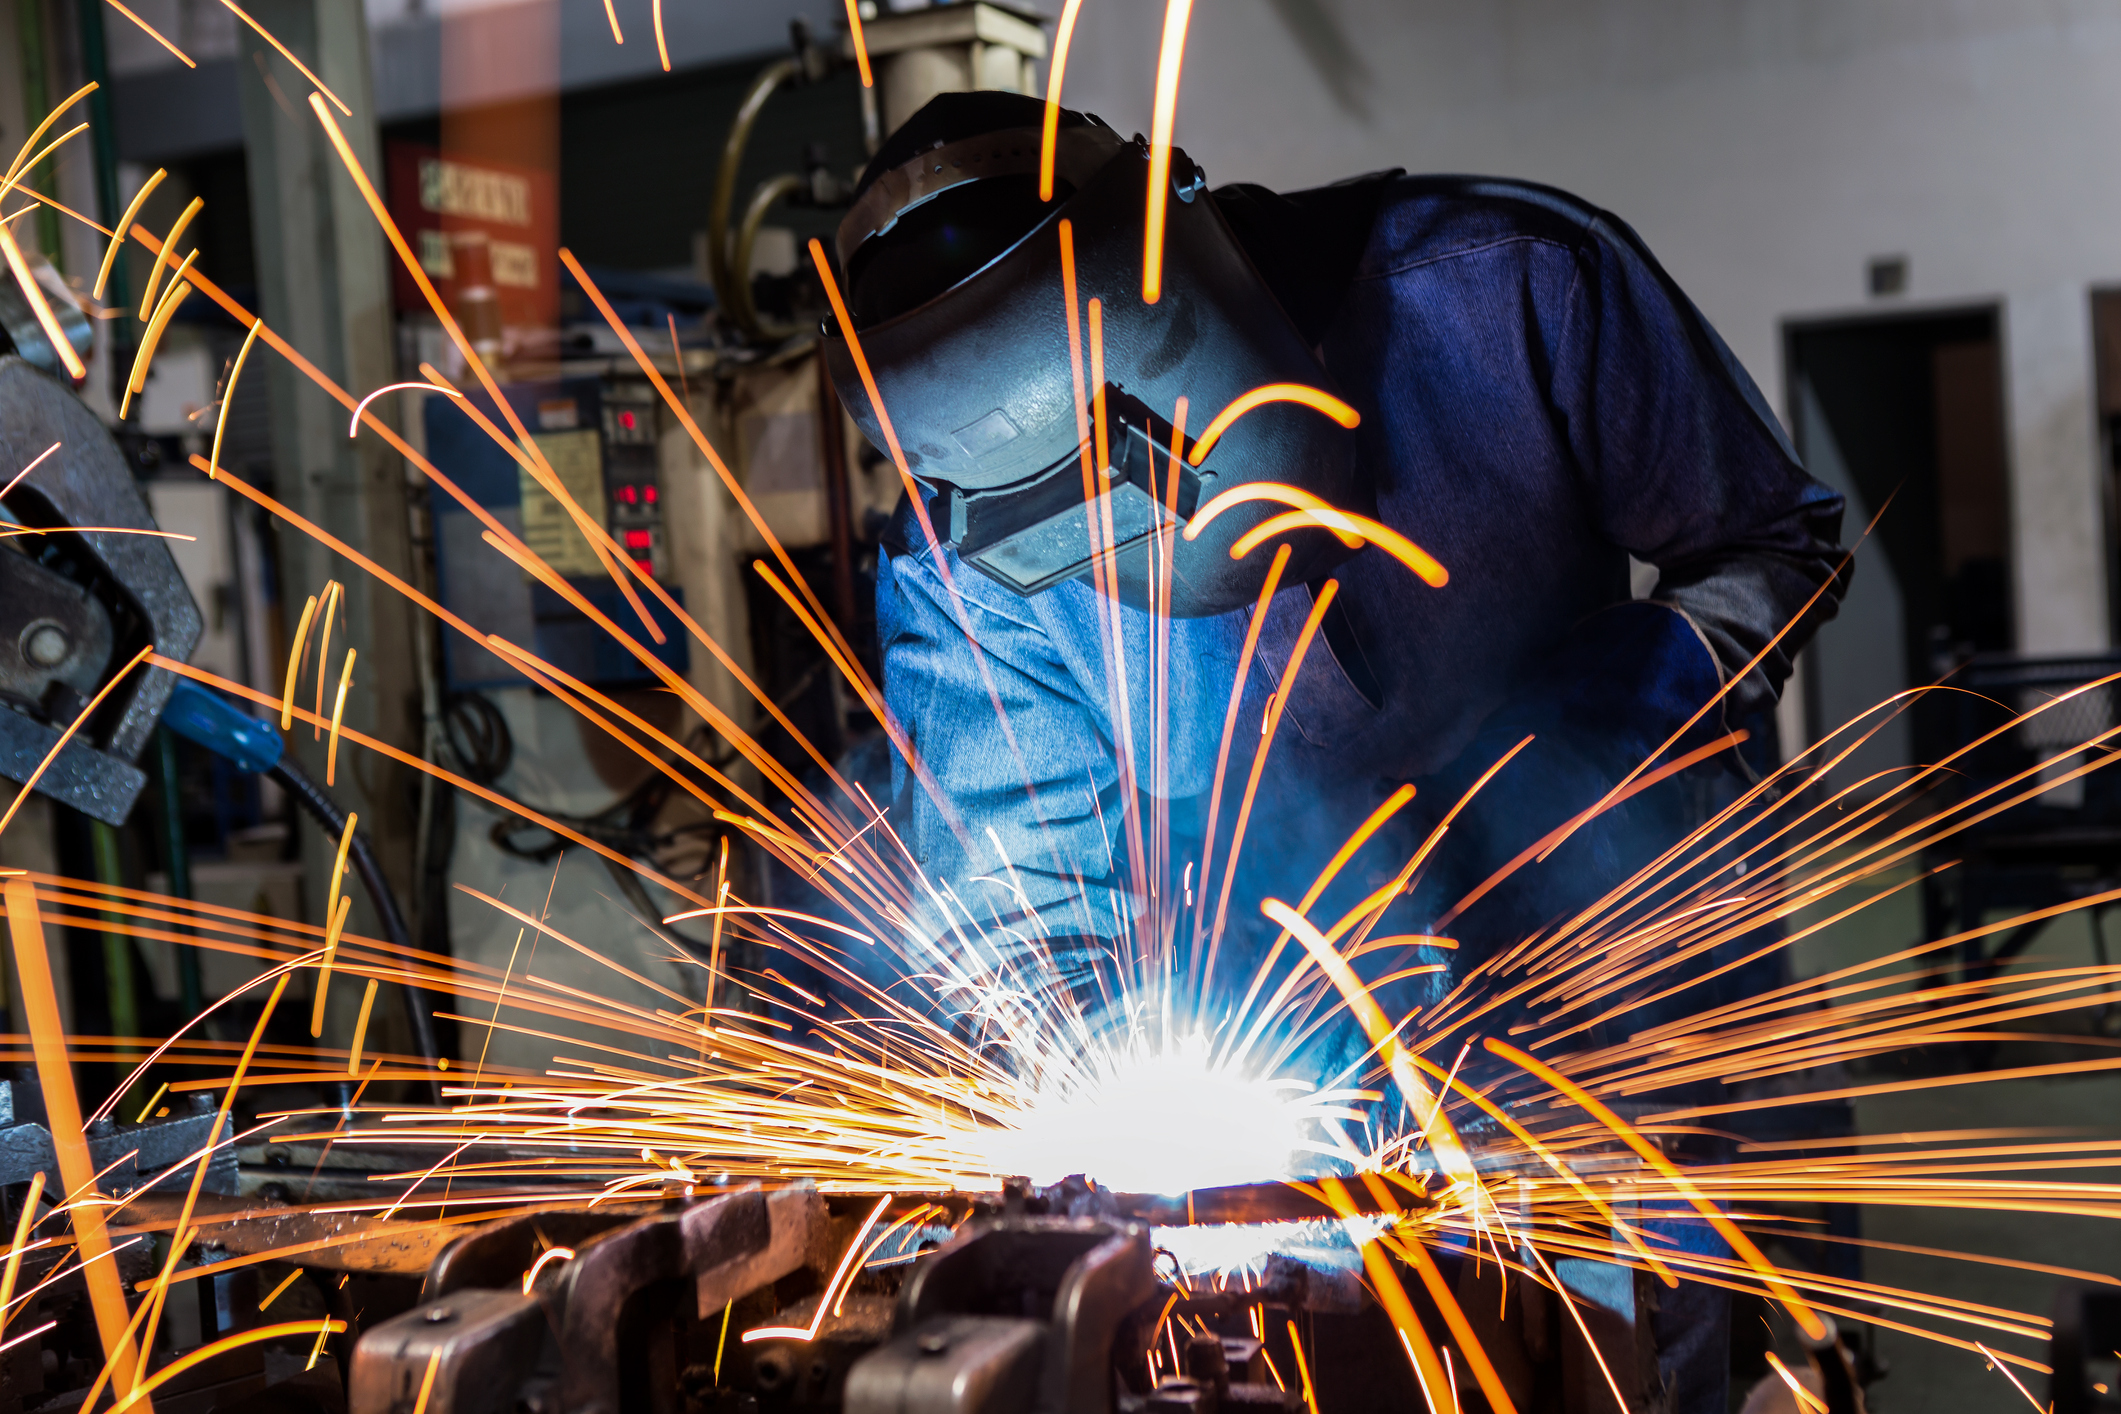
(648, 494)
(626, 420)
(638, 540)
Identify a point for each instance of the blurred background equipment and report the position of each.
(710, 278)
(1950, 336)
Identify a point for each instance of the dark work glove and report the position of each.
(1627, 679)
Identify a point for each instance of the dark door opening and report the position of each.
(1907, 408)
(2106, 363)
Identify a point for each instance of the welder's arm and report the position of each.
(1689, 471)
(1036, 835)
(1026, 792)
(1684, 467)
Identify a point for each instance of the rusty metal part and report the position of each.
(748, 1240)
(330, 1238)
(1078, 1285)
(463, 1355)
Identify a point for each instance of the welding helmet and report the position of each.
(957, 290)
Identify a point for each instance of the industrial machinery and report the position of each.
(745, 1299)
(82, 591)
(86, 587)
(748, 1298)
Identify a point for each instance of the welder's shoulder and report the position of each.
(1426, 219)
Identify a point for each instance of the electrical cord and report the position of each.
(361, 854)
(476, 735)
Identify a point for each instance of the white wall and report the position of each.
(1765, 149)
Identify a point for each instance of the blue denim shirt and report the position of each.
(1539, 401)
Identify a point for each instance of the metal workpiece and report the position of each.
(469, 1351)
(49, 639)
(1209, 1207)
(743, 1241)
(331, 1239)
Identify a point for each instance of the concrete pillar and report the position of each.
(324, 284)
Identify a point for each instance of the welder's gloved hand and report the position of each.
(1628, 678)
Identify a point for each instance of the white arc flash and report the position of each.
(1163, 1120)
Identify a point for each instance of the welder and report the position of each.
(1534, 402)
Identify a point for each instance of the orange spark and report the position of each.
(67, 735)
(1450, 1153)
(275, 1294)
(49, 148)
(861, 47)
(1303, 1367)
(153, 339)
(169, 245)
(40, 1005)
(23, 1225)
(360, 1035)
(228, 397)
(545, 1259)
(35, 462)
(1654, 1157)
(353, 425)
(34, 294)
(1264, 491)
(1347, 524)
(110, 254)
(1270, 722)
(294, 654)
(1049, 136)
(334, 596)
(1237, 693)
(154, 34)
(1315, 398)
(21, 161)
(1162, 119)
(824, 1302)
(338, 712)
(204, 1353)
(160, 1291)
(1805, 1398)
(289, 56)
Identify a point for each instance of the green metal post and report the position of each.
(177, 851)
(103, 134)
(36, 102)
(118, 980)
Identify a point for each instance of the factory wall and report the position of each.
(1766, 150)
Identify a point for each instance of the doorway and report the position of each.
(1906, 409)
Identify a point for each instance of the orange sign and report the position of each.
(478, 223)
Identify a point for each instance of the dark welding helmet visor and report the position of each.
(957, 289)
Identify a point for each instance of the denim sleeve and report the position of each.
(1009, 740)
(1687, 467)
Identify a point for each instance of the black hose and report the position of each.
(362, 856)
